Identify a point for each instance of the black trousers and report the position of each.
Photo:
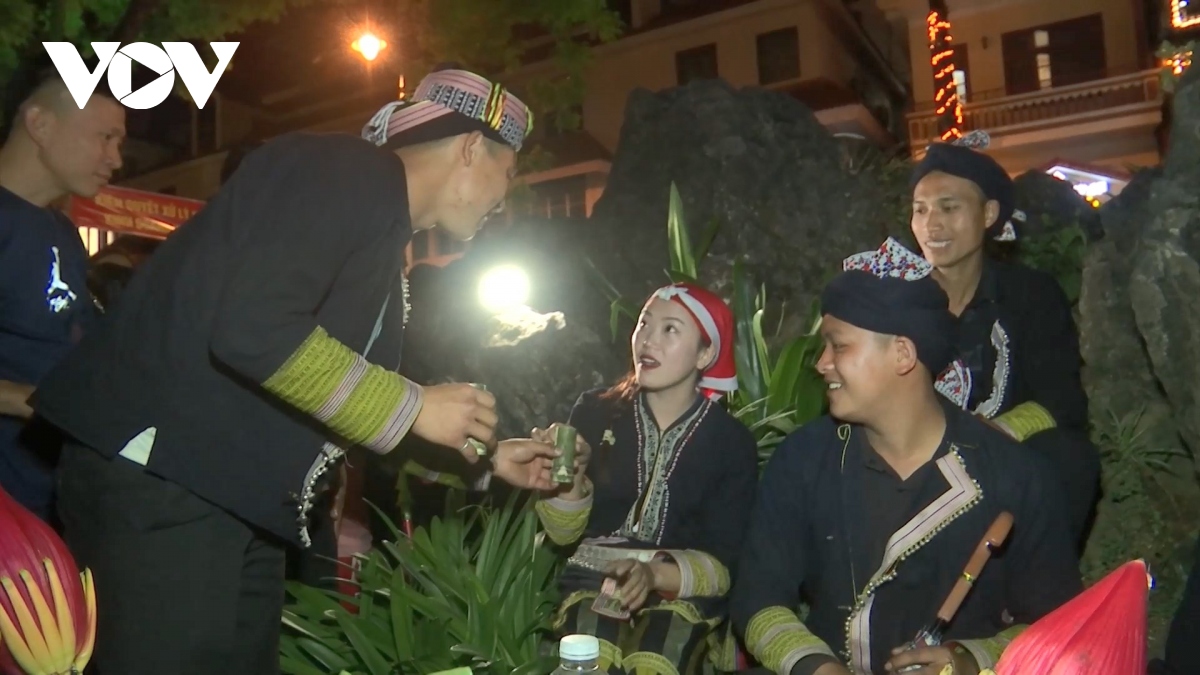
(1077, 463)
(182, 586)
(1183, 642)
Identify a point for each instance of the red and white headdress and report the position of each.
(713, 317)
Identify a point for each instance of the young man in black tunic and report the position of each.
(870, 514)
(1017, 337)
(258, 343)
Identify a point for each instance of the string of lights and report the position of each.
(941, 50)
(1184, 14)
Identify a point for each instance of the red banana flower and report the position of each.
(47, 607)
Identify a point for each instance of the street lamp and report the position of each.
(368, 45)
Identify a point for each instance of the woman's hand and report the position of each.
(636, 580)
(583, 455)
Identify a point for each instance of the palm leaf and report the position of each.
(683, 261)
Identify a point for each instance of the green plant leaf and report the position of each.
(683, 261)
(322, 654)
(363, 647)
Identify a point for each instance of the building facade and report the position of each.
(1070, 87)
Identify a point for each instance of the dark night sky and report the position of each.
(308, 46)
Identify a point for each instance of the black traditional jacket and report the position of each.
(685, 491)
(261, 338)
(1018, 339)
(875, 556)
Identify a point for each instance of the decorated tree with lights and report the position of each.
(941, 59)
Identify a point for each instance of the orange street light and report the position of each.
(369, 46)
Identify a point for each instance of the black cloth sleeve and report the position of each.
(306, 204)
(1043, 566)
(1050, 361)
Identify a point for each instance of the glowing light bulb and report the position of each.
(369, 46)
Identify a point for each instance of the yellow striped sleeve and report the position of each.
(564, 520)
(1026, 420)
(987, 652)
(361, 402)
(700, 574)
(778, 639)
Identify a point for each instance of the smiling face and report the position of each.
(476, 184)
(80, 148)
(669, 349)
(950, 218)
(861, 368)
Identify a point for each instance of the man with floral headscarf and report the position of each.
(259, 343)
(1017, 337)
(869, 514)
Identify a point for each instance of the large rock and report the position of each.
(755, 162)
(1165, 276)
(1140, 337)
(1051, 204)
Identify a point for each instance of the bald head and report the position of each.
(78, 151)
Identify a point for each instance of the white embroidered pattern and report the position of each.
(962, 495)
(893, 260)
(329, 456)
(995, 401)
(59, 295)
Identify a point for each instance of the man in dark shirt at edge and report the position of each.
(261, 340)
(870, 514)
(53, 149)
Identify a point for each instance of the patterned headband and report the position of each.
(892, 260)
(454, 91)
(980, 140)
(895, 261)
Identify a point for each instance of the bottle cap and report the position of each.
(579, 648)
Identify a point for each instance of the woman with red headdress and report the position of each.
(659, 509)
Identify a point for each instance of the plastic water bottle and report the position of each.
(578, 654)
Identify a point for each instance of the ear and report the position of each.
(905, 351)
(706, 357)
(473, 147)
(991, 211)
(39, 123)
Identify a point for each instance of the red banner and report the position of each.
(146, 214)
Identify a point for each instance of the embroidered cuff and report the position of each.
(564, 520)
(358, 400)
(700, 574)
(778, 639)
(1026, 420)
(987, 651)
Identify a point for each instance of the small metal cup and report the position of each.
(563, 469)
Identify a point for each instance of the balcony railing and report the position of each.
(1047, 107)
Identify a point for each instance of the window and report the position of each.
(962, 83)
(778, 56)
(697, 63)
(1055, 55)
